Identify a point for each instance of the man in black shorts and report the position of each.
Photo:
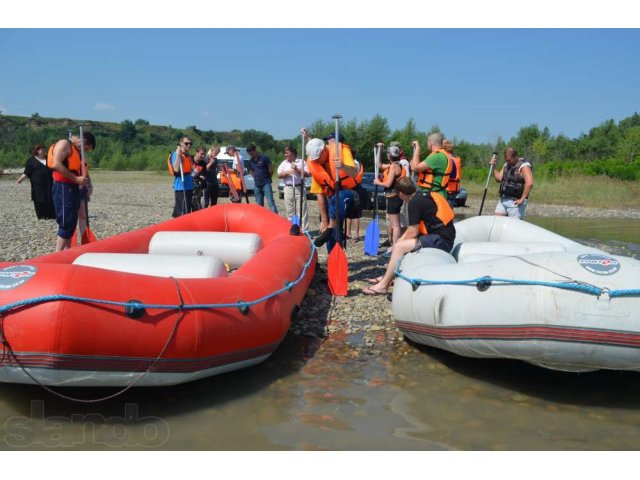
(430, 226)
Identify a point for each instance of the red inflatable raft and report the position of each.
(130, 310)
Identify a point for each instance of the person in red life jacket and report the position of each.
(65, 159)
(323, 164)
(455, 177)
(516, 182)
(430, 226)
(390, 173)
(180, 166)
(433, 172)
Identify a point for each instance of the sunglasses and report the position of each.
(187, 144)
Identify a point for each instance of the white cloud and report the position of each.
(103, 106)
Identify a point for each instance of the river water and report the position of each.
(326, 394)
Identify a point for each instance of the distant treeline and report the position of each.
(609, 149)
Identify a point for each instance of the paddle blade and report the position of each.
(88, 236)
(338, 271)
(372, 238)
(74, 238)
(295, 220)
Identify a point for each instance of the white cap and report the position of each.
(314, 148)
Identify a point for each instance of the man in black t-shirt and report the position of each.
(430, 226)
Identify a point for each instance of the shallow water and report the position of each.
(331, 393)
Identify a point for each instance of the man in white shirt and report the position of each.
(293, 170)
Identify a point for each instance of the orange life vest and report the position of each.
(235, 179)
(186, 165)
(454, 181)
(444, 215)
(390, 191)
(323, 172)
(425, 178)
(73, 163)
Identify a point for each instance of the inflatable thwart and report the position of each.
(156, 306)
(510, 289)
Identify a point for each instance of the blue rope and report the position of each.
(579, 287)
(136, 305)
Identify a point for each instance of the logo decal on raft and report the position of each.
(12, 277)
(599, 264)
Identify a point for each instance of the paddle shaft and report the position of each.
(486, 186)
(301, 179)
(337, 118)
(83, 167)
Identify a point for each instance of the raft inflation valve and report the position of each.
(134, 309)
(484, 284)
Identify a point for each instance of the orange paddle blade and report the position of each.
(338, 271)
(74, 238)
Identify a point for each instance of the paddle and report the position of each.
(302, 180)
(295, 220)
(372, 235)
(87, 235)
(296, 224)
(486, 186)
(241, 175)
(337, 266)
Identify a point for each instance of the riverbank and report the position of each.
(124, 201)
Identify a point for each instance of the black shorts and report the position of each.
(394, 205)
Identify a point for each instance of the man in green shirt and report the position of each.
(433, 172)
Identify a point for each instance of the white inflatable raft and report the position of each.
(510, 289)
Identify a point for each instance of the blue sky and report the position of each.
(474, 83)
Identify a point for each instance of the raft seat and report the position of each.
(479, 251)
(176, 266)
(233, 248)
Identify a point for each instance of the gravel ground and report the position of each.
(128, 201)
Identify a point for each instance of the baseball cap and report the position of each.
(314, 148)
(332, 136)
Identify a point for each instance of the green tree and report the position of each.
(127, 131)
(629, 147)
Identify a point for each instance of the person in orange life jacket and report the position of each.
(182, 180)
(516, 181)
(316, 189)
(345, 165)
(292, 171)
(390, 173)
(65, 159)
(430, 226)
(453, 187)
(433, 172)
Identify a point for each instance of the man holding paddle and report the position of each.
(65, 159)
(323, 166)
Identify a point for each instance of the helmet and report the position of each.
(314, 148)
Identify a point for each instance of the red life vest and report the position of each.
(444, 216)
(73, 163)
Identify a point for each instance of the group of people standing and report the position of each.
(428, 199)
(204, 166)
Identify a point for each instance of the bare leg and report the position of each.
(322, 208)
